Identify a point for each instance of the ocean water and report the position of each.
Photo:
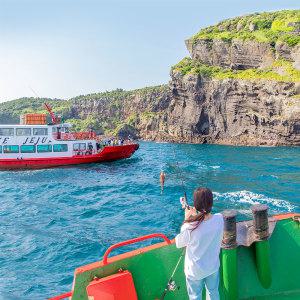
(52, 221)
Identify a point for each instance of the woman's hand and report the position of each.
(189, 212)
(183, 203)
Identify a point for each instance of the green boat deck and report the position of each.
(151, 268)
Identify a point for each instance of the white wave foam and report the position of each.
(203, 166)
(242, 198)
(215, 167)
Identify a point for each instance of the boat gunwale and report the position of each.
(142, 250)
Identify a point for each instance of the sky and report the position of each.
(66, 48)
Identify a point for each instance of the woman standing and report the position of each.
(201, 234)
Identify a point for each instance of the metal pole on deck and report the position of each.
(262, 246)
(229, 256)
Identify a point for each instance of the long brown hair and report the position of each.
(203, 202)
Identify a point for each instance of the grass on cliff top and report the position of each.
(269, 27)
(281, 70)
(120, 94)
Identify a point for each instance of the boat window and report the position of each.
(11, 149)
(6, 131)
(0, 149)
(27, 149)
(79, 146)
(23, 131)
(60, 148)
(40, 131)
(44, 148)
(54, 129)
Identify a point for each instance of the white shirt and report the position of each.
(202, 247)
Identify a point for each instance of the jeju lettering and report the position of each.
(35, 140)
(4, 140)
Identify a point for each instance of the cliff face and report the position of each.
(140, 113)
(241, 55)
(232, 111)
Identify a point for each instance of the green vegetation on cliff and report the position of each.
(280, 70)
(104, 112)
(110, 106)
(10, 111)
(269, 27)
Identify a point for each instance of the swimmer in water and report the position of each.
(162, 178)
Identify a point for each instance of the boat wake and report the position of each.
(242, 200)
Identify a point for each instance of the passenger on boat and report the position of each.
(90, 148)
(201, 234)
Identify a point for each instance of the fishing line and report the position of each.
(180, 178)
(162, 173)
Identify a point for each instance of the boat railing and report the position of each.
(85, 152)
(62, 296)
(73, 136)
(133, 241)
(115, 142)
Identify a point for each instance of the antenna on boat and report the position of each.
(34, 91)
(47, 106)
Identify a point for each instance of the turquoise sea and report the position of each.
(52, 221)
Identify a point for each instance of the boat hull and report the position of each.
(152, 266)
(108, 153)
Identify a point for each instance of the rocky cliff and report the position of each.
(240, 85)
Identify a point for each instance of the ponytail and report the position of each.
(203, 202)
(198, 219)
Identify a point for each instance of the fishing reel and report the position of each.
(183, 203)
(172, 286)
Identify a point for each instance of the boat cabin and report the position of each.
(22, 141)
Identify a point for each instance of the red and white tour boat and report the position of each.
(37, 146)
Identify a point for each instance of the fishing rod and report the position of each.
(171, 284)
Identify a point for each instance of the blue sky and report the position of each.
(64, 48)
